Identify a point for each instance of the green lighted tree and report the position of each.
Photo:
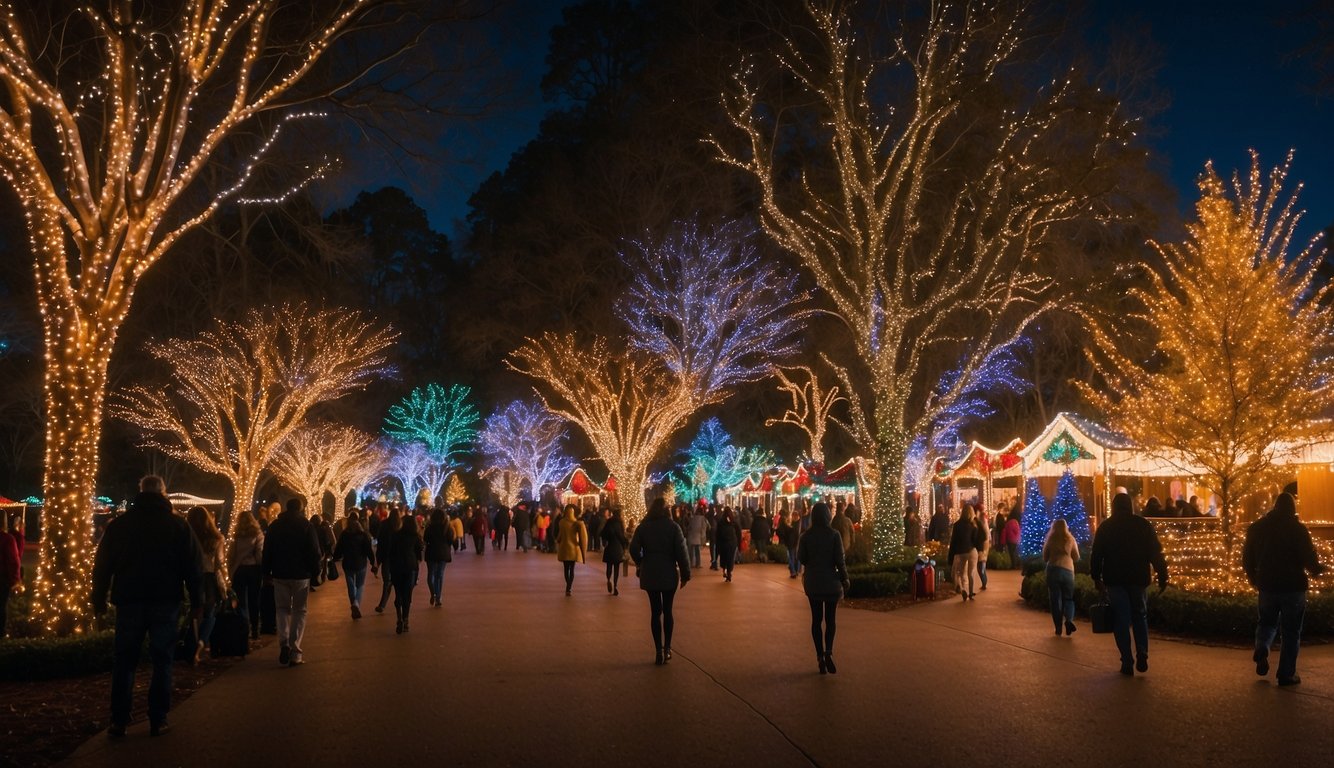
(1241, 371)
(444, 420)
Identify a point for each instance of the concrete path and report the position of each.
(513, 673)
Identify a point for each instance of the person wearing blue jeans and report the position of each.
(354, 551)
(438, 544)
(1060, 551)
(1277, 557)
(1123, 550)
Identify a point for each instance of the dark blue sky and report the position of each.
(1229, 70)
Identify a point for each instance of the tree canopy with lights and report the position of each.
(712, 460)
(524, 438)
(444, 420)
(325, 458)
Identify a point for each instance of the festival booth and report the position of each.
(790, 486)
(580, 490)
(843, 483)
(755, 492)
(991, 475)
(1311, 465)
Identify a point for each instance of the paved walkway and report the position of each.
(512, 672)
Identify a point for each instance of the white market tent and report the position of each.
(186, 500)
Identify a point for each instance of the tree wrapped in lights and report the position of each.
(315, 460)
(417, 469)
(444, 420)
(712, 460)
(705, 315)
(1068, 506)
(924, 226)
(108, 119)
(1035, 522)
(523, 439)
(1241, 371)
(811, 404)
(241, 389)
(454, 491)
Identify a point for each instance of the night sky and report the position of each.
(1230, 72)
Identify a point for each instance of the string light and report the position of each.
(239, 390)
(444, 420)
(96, 227)
(418, 470)
(914, 256)
(712, 460)
(810, 406)
(1241, 377)
(523, 440)
(320, 459)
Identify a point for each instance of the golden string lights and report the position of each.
(319, 459)
(241, 389)
(810, 406)
(923, 226)
(105, 171)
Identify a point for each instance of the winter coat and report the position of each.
(761, 533)
(614, 541)
(438, 541)
(788, 535)
(502, 522)
(354, 550)
(245, 551)
(405, 549)
(963, 538)
(522, 519)
(659, 551)
(571, 539)
(146, 555)
(820, 550)
(1278, 553)
(1013, 532)
(291, 548)
(697, 530)
(1123, 549)
(727, 537)
(939, 527)
(479, 526)
(843, 525)
(456, 527)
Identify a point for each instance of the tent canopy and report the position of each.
(1087, 449)
(980, 462)
(190, 500)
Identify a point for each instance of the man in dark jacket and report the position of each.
(939, 528)
(1123, 549)
(1277, 556)
(761, 535)
(145, 559)
(521, 521)
(291, 559)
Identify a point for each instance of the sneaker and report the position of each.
(1261, 663)
(297, 660)
(1286, 681)
(1127, 669)
(379, 608)
(284, 655)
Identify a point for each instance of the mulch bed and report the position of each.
(43, 722)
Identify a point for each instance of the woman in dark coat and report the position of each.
(727, 539)
(820, 550)
(659, 551)
(614, 543)
(405, 556)
(354, 551)
(439, 544)
(388, 527)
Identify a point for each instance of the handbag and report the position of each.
(1101, 615)
(332, 574)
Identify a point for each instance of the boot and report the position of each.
(398, 616)
(405, 620)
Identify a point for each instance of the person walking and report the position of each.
(456, 528)
(963, 553)
(521, 520)
(354, 551)
(144, 560)
(659, 551)
(291, 560)
(983, 542)
(1123, 549)
(841, 523)
(501, 527)
(571, 542)
(761, 534)
(11, 569)
(480, 527)
(244, 564)
(820, 550)
(1277, 556)
(1060, 551)
(788, 536)
(385, 541)
(405, 556)
(212, 567)
(614, 543)
(697, 532)
(439, 542)
(727, 538)
(938, 529)
(1011, 537)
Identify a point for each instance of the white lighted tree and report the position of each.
(705, 314)
(811, 404)
(924, 225)
(109, 114)
(319, 459)
(359, 459)
(415, 468)
(239, 390)
(524, 439)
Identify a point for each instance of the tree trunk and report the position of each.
(76, 378)
(891, 455)
(1225, 514)
(243, 498)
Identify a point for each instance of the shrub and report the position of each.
(881, 584)
(998, 560)
(777, 553)
(49, 658)
(860, 551)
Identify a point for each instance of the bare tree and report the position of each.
(923, 225)
(810, 407)
(238, 391)
(523, 439)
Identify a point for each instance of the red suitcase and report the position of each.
(924, 582)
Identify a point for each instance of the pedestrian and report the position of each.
(788, 537)
(388, 528)
(1123, 549)
(938, 530)
(912, 528)
(659, 552)
(983, 542)
(727, 538)
(712, 517)
(502, 530)
(1277, 557)
(291, 560)
(1060, 551)
(820, 550)
(212, 567)
(571, 541)
(354, 551)
(614, 544)
(1012, 536)
(761, 534)
(145, 559)
(325, 534)
(438, 543)
(480, 528)
(521, 520)
(456, 530)
(11, 569)
(963, 552)
(244, 564)
(405, 556)
(697, 532)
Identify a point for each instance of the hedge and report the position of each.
(1177, 611)
(877, 584)
(50, 658)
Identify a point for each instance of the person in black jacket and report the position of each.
(1277, 556)
(145, 558)
(761, 535)
(659, 550)
(1123, 549)
(439, 543)
(291, 560)
(354, 551)
(820, 550)
(727, 540)
(521, 521)
(614, 543)
(405, 556)
(963, 553)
